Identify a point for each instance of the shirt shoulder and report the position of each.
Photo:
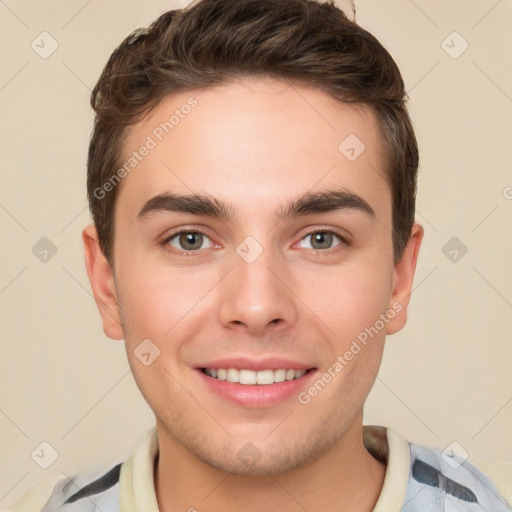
(107, 488)
(35, 498)
(500, 472)
(452, 483)
(425, 479)
(85, 492)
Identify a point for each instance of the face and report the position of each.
(280, 259)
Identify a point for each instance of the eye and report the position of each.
(321, 240)
(189, 241)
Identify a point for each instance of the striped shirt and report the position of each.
(417, 479)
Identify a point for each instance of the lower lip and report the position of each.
(265, 395)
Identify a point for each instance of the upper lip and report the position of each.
(244, 363)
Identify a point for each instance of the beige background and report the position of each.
(445, 378)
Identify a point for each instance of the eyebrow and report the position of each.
(318, 202)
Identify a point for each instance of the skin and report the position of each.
(256, 144)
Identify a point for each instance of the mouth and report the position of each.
(251, 377)
(261, 387)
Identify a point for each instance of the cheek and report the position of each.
(158, 300)
(348, 298)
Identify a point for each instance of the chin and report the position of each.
(262, 457)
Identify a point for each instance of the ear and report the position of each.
(102, 282)
(403, 277)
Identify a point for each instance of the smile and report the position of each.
(251, 377)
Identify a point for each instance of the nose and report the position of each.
(257, 297)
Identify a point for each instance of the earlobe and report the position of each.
(403, 277)
(102, 282)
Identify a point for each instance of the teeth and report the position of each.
(246, 377)
(262, 377)
(251, 377)
(279, 375)
(232, 375)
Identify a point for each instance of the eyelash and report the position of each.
(344, 242)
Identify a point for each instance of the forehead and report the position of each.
(252, 141)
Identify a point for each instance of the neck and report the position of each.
(346, 478)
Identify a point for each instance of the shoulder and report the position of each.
(88, 491)
(441, 480)
(35, 498)
(97, 489)
(500, 472)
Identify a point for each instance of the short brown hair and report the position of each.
(215, 41)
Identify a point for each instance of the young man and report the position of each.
(252, 179)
